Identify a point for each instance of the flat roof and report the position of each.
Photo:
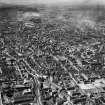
(97, 84)
(86, 86)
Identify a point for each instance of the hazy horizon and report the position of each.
(53, 2)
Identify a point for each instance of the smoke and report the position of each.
(71, 2)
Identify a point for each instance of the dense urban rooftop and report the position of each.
(52, 55)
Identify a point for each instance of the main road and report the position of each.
(36, 84)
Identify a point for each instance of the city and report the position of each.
(52, 55)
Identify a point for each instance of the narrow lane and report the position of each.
(0, 99)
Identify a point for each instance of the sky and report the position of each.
(71, 2)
